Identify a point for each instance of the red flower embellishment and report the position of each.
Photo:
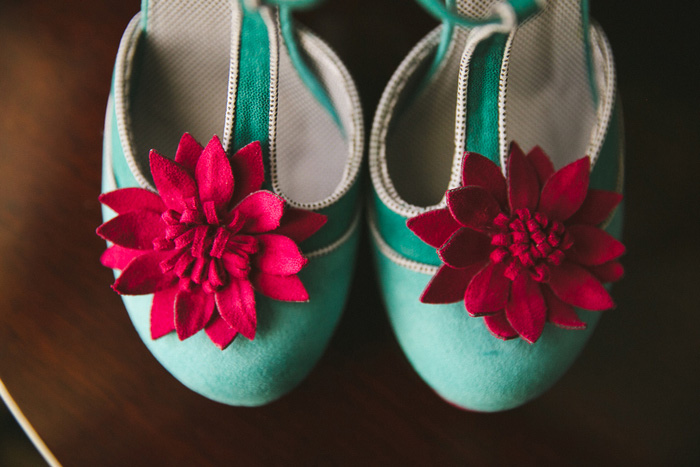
(524, 250)
(206, 241)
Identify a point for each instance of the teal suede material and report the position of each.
(398, 237)
(482, 97)
(253, 92)
(460, 359)
(444, 11)
(290, 339)
(457, 355)
(609, 166)
(341, 215)
(122, 172)
(144, 14)
(453, 352)
(586, 25)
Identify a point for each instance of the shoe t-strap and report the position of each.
(447, 14)
(289, 36)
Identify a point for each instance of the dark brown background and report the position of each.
(75, 366)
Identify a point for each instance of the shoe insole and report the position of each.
(182, 84)
(549, 101)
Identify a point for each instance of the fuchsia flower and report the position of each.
(206, 241)
(523, 250)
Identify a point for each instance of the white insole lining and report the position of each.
(181, 84)
(548, 102)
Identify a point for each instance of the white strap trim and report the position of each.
(309, 41)
(229, 122)
(338, 243)
(475, 38)
(393, 255)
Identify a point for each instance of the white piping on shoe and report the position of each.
(324, 54)
(385, 110)
(606, 104)
(507, 26)
(122, 74)
(393, 255)
(377, 160)
(341, 241)
(229, 122)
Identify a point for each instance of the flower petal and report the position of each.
(488, 291)
(559, 313)
(132, 199)
(262, 211)
(278, 255)
(576, 286)
(192, 311)
(523, 184)
(433, 227)
(465, 248)
(596, 208)
(135, 230)
(118, 257)
(477, 170)
(248, 170)
(608, 272)
(300, 224)
(188, 152)
(163, 312)
(236, 304)
(564, 192)
(541, 163)
(448, 285)
(473, 207)
(220, 332)
(285, 288)
(499, 326)
(175, 185)
(143, 275)
(526, 310)
(214, 176)
(592, 246)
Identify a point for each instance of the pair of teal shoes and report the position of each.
(234, 258)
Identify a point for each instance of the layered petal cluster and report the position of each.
(526, 249)
(206, 241)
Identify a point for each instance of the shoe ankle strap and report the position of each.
(445, 12)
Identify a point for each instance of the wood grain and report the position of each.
(72, 361)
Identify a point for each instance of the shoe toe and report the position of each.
(461, 360)
(290, 339)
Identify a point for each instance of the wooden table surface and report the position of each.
(77, 370)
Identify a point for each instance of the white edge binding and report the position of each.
(322, 51)
(394, 256)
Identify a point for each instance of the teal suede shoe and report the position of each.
(492, 261)
(221, 256)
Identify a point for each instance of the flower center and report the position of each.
(208, 252)
(529, 242)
